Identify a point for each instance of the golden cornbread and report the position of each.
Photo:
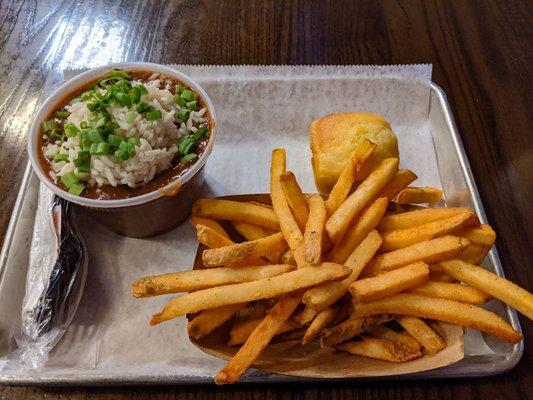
(335, 136)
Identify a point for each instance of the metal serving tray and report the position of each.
(455, 175)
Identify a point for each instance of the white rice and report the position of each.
(153, 154)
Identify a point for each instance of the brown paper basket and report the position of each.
(291, 358)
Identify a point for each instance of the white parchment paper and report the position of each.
(258, 109)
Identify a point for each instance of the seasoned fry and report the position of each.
(314, 230)
(289, 227)
(382, 349)
(323, 296)
(452, 291)
(350, 328)
(295, 198)
(445, 310)
(214, 240)
(259, 339)
(405, 237)
(483, 235)
(344, 184)
(498, 287)
(423, 333)
(250, 291)
(389, 283)
(422, 216)
(236, 211)
(241, 331)
(249, 231)
(208, 320)
(360, 228)
(322, 321)
(241, 251)
(296, 334)
(305, 316)
(419, 195)
(439, 277)
(400, 181)
(286, 257)
(428, 251)
(339, 222)
(190, 281)
(383, 332)
(195, 221)
(474, 254)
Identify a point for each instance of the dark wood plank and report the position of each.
(481, 52)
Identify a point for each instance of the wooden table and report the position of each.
(481, 54)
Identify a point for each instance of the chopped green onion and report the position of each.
(130, 117)
(49, 125)
(143, 89)
(84, 168)
(134, 140)
(143, 107)
(56, 134)
(84, 125)
(70, 129)
(69, 179)
(185, 145)
(153, 114)
(180, 89)
(94, 148)
(192, 105)
(183, 114)
(62, 114)
(202, 130)
(123, 99)
(94, 136)
(121, 155)
(101, 122)
(188, 95)
(60, 157)
(84, 158)
(188, 158)
(128, 148)
(114, 140)
(76, 188)
(103, 148)
(179, 101)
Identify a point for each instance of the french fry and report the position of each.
(422, 216)
(295, 198)
(339, 222)
(398, 239)
(259, 339)
(236, 211)
(498, 287)
(251, 232)
(383, 332)
(195, 221)
(389, 283)
(192, 280)
(212, 239)
(445, 310)
(325, 295)
(360, 228)
(241, 331)
(474, 254)
(289, 227)
(439, 277)
(350, 328)
(321, 321)
(296, 334)
(429, 251)
(314, 230)
(208, 320)
(343, 186)
(423, 333)
(250, 291)
(452, 291)
(419, 195)
(381, 349)
(286, 257)
(400, 181)
(482, 235)
(306, 315)
(241, 251)
(258, 309)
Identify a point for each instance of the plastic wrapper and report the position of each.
(55, 279)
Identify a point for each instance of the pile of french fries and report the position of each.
(365, 270)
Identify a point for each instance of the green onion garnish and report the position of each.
(70, 129)
(202, 130)
(192, 105)
(84, 168)
(143, 107)
(123, 99)
(188, 95)
(179, 101)
(94, 136)
(102, 148)
(84, 125)
(49, 125)
(76, 188)
(180, 89)
(128, 148)
(69, 179)
(134, 141)
(121, 155)
(185, 145)
(84, 158)
(130, 117)
(60, 157)
(153, 114)
(183, 114)
(188, 158)
(94, 148)
(62, 114)
(114, 140)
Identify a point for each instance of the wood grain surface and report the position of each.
(482, 57)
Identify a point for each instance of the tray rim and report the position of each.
(506, 364)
